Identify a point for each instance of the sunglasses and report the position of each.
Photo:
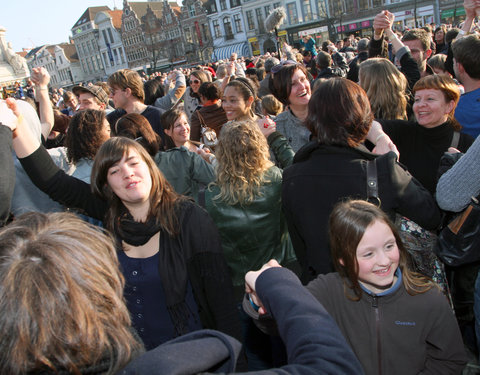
(278, 67)
(196, 81)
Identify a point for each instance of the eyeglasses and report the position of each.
(114, 91)
(196, 81)
(278, 67)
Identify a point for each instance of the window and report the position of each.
(260, 20)
(105, 59)
(292, 13)
(227, 25)
(104, 33)
(268, 9)
(250, 21)
(322, 8)
(188, 35)
(238, 23)
(307, 10)
(191, 10)
(216, 29)
(223, 4)
(276, 5)
(60, 59)
(110, 35)
(235, 3)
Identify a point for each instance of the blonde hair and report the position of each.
(386, 88)
(243, 158)
(61, 298)
(271, 105)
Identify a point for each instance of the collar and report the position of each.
(210, 102)
(392, 290)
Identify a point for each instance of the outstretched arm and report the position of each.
(41, 79)
(314, 342)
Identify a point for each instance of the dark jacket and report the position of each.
(198, 240)
(7, 182)
(354, 65)
(315, 345)
(322, 176)
(213, 116)
(395, 333)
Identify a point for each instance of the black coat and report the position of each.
(324, 175)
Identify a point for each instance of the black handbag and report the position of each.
(459, 242)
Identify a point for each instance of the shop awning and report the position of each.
(222, 53)
(449, 12)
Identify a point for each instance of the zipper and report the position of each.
(377, 331)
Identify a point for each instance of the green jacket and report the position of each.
(185, 170)
(255, 233)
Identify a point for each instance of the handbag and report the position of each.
(459, 241)
(207, 135)
(418, 242)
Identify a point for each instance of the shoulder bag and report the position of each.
(208, 136)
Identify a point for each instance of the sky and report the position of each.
(32, 23)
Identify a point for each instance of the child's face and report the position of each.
(377, 257)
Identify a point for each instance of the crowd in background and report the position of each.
(323, 164)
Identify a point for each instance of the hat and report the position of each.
(95, 90)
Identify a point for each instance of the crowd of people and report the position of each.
(290, 203)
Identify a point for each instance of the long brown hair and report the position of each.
(163, 197)
(348, 222)
(61, 298)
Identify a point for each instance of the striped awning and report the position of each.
(223, 53)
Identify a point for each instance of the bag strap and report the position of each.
(201, 119)
(455, 139)
(372, 182)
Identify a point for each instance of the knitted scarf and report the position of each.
(172, 267)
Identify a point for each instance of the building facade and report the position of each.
(112, 53)
(196, 32)
(61, 61)
(85, 35)
(227, 28)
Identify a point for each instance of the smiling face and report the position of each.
(88, 101)
(180, 131)
(300, 92)
(195, 83)
(234, 104)
(130, 180)
(377, 257)
(430, 107)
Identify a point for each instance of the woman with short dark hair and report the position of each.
(211, 113)
(289, 84)
(334, 167)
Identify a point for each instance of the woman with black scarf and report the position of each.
(169, 250)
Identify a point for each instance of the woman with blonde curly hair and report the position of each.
(386, 88)
(245, 204)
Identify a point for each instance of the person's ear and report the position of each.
(450, 107)
(250, 101)
(168, 132)
(428, 53)
(128, 91)
(341, 262)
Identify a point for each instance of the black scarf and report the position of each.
(172, 267)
